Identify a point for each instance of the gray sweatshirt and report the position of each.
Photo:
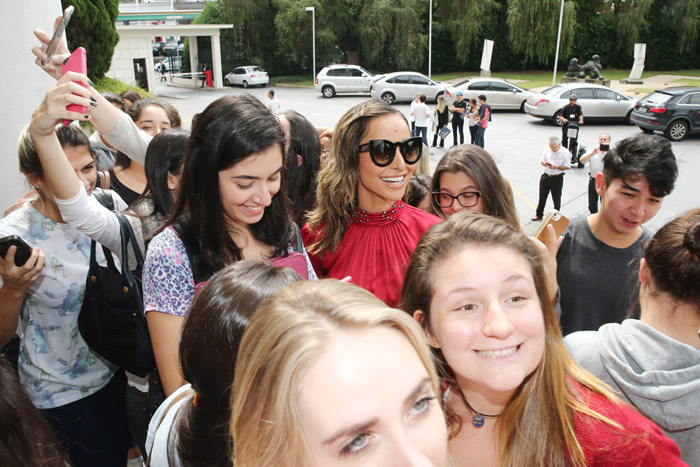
(655, 373)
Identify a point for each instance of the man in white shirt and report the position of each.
(272, 104)
(595, 166)
(412, 119)
(421, 113)
(555, 161)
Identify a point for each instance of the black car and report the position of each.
(674, 111)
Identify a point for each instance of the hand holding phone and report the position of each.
(58, 32)
(22, 253)
(76, 62)
(558, 221)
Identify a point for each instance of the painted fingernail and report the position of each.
(92, 98)
(87, 117)
(91, 83)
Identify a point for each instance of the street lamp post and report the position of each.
(313, 38)
(556, 55)
(430, 41)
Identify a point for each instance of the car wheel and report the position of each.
(328, 91)
(388, 98)
(245, 84)
(647, 130)
(628, 118)
(556, 120)
(522, 106)
(227, 82)
(676, 131)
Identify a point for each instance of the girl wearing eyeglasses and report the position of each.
(467, 178)
(361, 227)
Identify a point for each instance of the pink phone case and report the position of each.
(76, 62)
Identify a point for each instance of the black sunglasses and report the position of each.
(383, 151)
(467, 199)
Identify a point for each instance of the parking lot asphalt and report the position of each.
(515, 140)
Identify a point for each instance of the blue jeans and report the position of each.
(422, 131)
(479, 136)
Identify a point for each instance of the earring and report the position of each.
(434, 344)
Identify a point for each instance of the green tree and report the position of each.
(533, 27)
(467, 19)
(687, 15)
(213, 13)
(93, 28)
(392, 35)
(254, 30)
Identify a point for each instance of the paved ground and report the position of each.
(515, 140)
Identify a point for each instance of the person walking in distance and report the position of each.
(473, 116)
(555, 160)
(595, 166)
(443, 114)
(421, 112)
(458, 109)
(272, 104)
(571, 112)
(483, 122)
(414, 102)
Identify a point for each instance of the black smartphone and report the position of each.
(604, 147)
(53, 43)
(23, 252)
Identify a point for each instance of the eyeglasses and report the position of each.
(382, 151)
(467, 199)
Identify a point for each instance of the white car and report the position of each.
(597, 102)
(499, 93)
(247, 76)
(335, 79)
(404, 85)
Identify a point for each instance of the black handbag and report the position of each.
(111, 319)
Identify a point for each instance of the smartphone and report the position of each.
(557, 219)
(53, 43)
(76, 62)
(23, 252)
(604, 147)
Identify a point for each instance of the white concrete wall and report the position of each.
(22, 84)
(128, 48)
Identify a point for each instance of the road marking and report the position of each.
(521, 196)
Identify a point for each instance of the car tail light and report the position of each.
(317, 80)
(447, 93)
(541, 101)
(252, 76)
(657, 110)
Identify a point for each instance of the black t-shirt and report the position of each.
(460, 105)
(572, 113)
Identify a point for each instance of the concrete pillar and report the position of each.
(216, 56)
(194, 59)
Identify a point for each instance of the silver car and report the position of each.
(247, 76)
(597, 102)
(404, 85)
(499, 93)
(335, 79)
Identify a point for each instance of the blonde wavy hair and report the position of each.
(336, 194)
(286, 336)
(537, 425)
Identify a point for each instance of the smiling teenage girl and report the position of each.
(358, 384)
(361, 227)
(477, 287)
(227, 210)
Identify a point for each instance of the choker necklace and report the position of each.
(478, 419)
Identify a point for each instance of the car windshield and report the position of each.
(552, 90)
(256, 68)
(657, 98)
(461, 83)
(365, 71)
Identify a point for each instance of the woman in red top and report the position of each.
(513, 395)
(361, 227)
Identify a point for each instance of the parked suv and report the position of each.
(675, 111)
(335, 79)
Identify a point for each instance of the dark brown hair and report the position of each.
(26, 437)
(673, 257)
(211, 334)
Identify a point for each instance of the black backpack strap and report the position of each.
(298, 244)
